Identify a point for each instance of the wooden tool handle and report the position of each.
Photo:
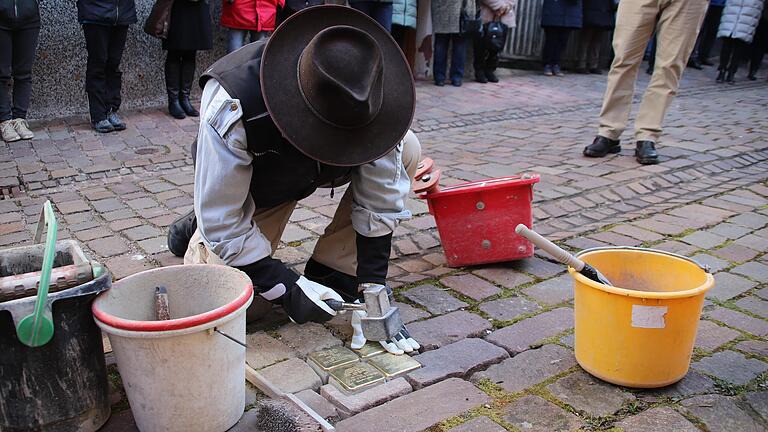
(556, 251)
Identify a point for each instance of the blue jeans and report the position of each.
(458, 56)
(379, 11)
(236, 38)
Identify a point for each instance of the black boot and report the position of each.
(342, 283)
(645, 152)
(720, 76)
(729, 77)
(601, 146)
(187, 77)
(480, 76)
(180, 232)
(752, 75)
(172, 82)
(490, 67)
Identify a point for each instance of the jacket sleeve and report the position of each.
(223, 202)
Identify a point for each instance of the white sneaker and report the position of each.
(8, 131)
(22, 128)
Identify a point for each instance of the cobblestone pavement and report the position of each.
(498, 338)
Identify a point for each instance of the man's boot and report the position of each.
(187, 77)
(601, 146)
(180, 232)
(172, 83)
(645, 152)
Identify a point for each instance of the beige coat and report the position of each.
(488, 8)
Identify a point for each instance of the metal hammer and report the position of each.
(382, 321)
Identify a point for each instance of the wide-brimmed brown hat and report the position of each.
(337, 85)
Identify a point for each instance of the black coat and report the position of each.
(106, 12)
(19, 14)
(599, 13)
(190, 26)
(561, 13)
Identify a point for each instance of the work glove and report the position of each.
(302, 299)
(401, 343)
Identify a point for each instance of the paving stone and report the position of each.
(586, 393)
(710, 335)
(292, 376)
(534, 414)
(417, 411)
(729, 230)
(445, 329)
(505, 309)
(753, 270)
(307, 338)
(108, 246)
(92, 234)
(142, 232)
(728, 286)
(736, 253)
(731, 366)
(141, 203)
(638, 233)
(661, 419)
(455, 360)
(755, 305)
(751, 220)
(107, 205)
(470, 286)
(721, 414)
(504, 276)
(704, 239)
(528, 368)
(154, 245)
(351, 404)
(409, 313)
(753, 347)
(552, 291)
(72, 206)
(126, 265)
(522, 335)
(264, 350)
(693, 383)
(715, 264)
(436, 300)
(759, 402)
(568, 340)
(318, 403)
(478, 424)
(739, 320)
(538, 267)
(762, 293)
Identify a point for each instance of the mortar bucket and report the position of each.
(180, 374)
(640, 332)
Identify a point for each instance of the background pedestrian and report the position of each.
(248, 20)
(446, 16)
(379, 10)
(758, 46)
(597, 21)
(404, 14)
(486, 50)
(558, 18)
(737, 29)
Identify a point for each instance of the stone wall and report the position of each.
(59, 70)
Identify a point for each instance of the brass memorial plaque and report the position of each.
(370, 349)
(394, 365)
(356, 376)
(333, 357)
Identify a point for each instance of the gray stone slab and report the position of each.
(754, 304)
(710, 335)
(759, 402)
(693, 383)
(739, 320)
(728, 286)
(762, 293)
(552, 291)
(318, 403)
(292, 376)
(534, 414)
(445, 329)
(455, 360)
(478, 424)
(528, 368)
(470, 286)
(504, 276)
(661, 419)
(568, 340)
(307, 338)
(721, 414)
(731, 366)
(704, 239)
(750, 220)
(417, 411)
(586, 393)
(505, 309)
(715, 264)
(264, 350)
(436, 300)
(409, 313)
(729, 230)
(753, 347)
(350, 404)
(539, 267)
(522, 335)
(753, 270)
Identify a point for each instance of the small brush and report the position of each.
(561, 255)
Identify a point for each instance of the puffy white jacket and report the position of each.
(740, 19)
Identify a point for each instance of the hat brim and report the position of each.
(296, 121)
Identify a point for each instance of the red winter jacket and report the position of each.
(256, 15)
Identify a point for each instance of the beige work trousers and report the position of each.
(336, 248)
(678, 25)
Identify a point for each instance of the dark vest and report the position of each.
(281, 173)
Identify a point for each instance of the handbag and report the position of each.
(159, 19)
(469, 25)
(495, 35)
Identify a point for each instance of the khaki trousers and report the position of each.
(678, 25)
(336, 248)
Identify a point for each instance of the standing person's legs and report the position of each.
(757, 48)
(458, 57)
(593, 51)
(709, 32)
(382, 13)
(114, 76)
(97, 44)
(549, 42)
(173, 61)
(726, 51)
(561, 42)
(24, 46)
(740, 52)
(585, 37)
(440, 57)
(6, 61)
(187, 79)
(677, 31)
(491, 63)
(235, 39)
(635, 21)
(480, 53)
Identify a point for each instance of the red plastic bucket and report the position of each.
(476, 220)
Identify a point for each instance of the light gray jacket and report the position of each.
(740, 19)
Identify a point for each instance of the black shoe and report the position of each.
(480, 77)
(582, 71)
(187, 78)
(595, 71)
(720, 76)
(645, 152)
(752, 75)
(601, 146)
(342, 283)
(174, 107)
(456, 82)
(706, 62)
(439, 83)
(695, 64)
(491, 76)
(180, 232)
(103, 126)
(172, 85)
(729, 78)
(115, 121)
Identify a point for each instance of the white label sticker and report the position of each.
(648, 316)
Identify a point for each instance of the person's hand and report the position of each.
(401, 343)
(503, 11)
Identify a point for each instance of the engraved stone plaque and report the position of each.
(370, 349)
(356, 376)
(393, 365)
(330, 358)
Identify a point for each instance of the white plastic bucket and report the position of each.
(180, 375)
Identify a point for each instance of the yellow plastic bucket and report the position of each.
(640, 332)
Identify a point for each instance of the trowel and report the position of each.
(561, 255)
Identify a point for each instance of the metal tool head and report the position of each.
(382, 321)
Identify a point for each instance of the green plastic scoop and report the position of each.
(36, 329)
